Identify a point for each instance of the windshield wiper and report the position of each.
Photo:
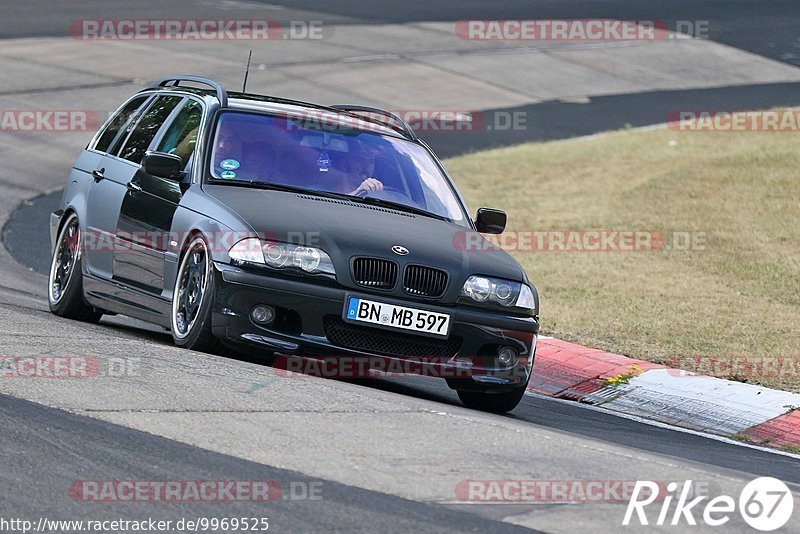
(285, 187)
(398, 206)
(328, 194)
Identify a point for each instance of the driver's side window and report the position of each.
(181, 136)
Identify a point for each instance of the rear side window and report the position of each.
(148, 127)
(181, 136)
(119, 120)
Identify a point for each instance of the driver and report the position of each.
(360, 176)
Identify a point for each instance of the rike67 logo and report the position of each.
(766, 504)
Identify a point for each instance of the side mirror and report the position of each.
(490, 221)
(163, 165)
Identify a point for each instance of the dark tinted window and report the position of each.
(148, 127)
(333, 157)
(118, 122)
(181, 136)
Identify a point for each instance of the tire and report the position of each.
(491, 402)
(65, 281)
(192, 300)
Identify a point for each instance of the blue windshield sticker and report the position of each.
(229, 164)
(324, 162)
(227, 174)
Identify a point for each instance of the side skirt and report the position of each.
(124, 300)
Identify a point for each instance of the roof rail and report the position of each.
(404, 127)
(174, 81)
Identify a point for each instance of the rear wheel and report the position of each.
(192, 300)
(492, 402)
(65, 283)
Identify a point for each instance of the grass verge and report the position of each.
(720, 297)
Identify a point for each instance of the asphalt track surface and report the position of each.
(768, 28)
(102, 451)
(45, 449)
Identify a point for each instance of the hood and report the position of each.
(347, 229)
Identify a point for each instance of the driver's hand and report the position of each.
(370, 185)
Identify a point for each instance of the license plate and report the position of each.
(398, 317)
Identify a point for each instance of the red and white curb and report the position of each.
(757, 414)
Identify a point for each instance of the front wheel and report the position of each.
(492, 402)
(65, 282)
(192, 300)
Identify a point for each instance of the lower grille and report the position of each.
(387, 343)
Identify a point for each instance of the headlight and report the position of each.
(477, 288)
(276, 254)
(282, 256)
(248, 250)
(505, 293)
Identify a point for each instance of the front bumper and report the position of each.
(308, 323)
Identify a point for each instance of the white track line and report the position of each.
(659, 424)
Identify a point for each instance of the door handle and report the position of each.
(98, 174)
(133, 186)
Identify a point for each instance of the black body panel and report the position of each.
(140, 225)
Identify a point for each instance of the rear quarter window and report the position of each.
(117, 123)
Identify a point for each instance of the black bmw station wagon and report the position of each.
(294, 229)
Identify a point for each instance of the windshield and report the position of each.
(323, 157)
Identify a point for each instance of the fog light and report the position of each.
(507, 356)
(262, 314)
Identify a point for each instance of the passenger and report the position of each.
(228, 151)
